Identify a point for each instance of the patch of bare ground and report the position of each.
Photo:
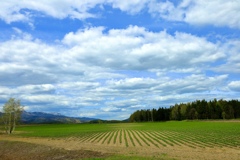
(102, 149)
(11, 150)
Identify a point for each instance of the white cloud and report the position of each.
(133, 83)
(193, 84)
(200, 12)
(166, 10)
(83, 36)
(137, 49)
(132, 7)
(218, 13)
(234, 85)
(10, 12)
(28, 89)
(40, 98)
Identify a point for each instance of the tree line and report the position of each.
(160, 114)
(199, 109)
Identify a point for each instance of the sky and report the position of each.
(108, 58)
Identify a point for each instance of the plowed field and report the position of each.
(160, 139)
(146, 140)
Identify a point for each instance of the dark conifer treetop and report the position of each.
(199, 109)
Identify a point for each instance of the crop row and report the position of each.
(134, 138)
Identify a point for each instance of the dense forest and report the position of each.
(199, 109)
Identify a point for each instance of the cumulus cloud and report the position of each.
(138, 49)
(200, 12)
(218, 13)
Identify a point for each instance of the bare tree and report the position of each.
(12, 110)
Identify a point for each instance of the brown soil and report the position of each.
(72, 146)
(27, 151)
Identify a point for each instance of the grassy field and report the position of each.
(155, 136)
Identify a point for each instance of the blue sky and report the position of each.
(108, 58)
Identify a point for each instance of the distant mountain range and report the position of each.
(48, 118)
(41, 117)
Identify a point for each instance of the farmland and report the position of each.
(163, 140)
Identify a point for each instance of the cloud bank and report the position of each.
(200, 12)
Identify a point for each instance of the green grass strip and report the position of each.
(131, 138)
(125, 138)
(120, 137)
